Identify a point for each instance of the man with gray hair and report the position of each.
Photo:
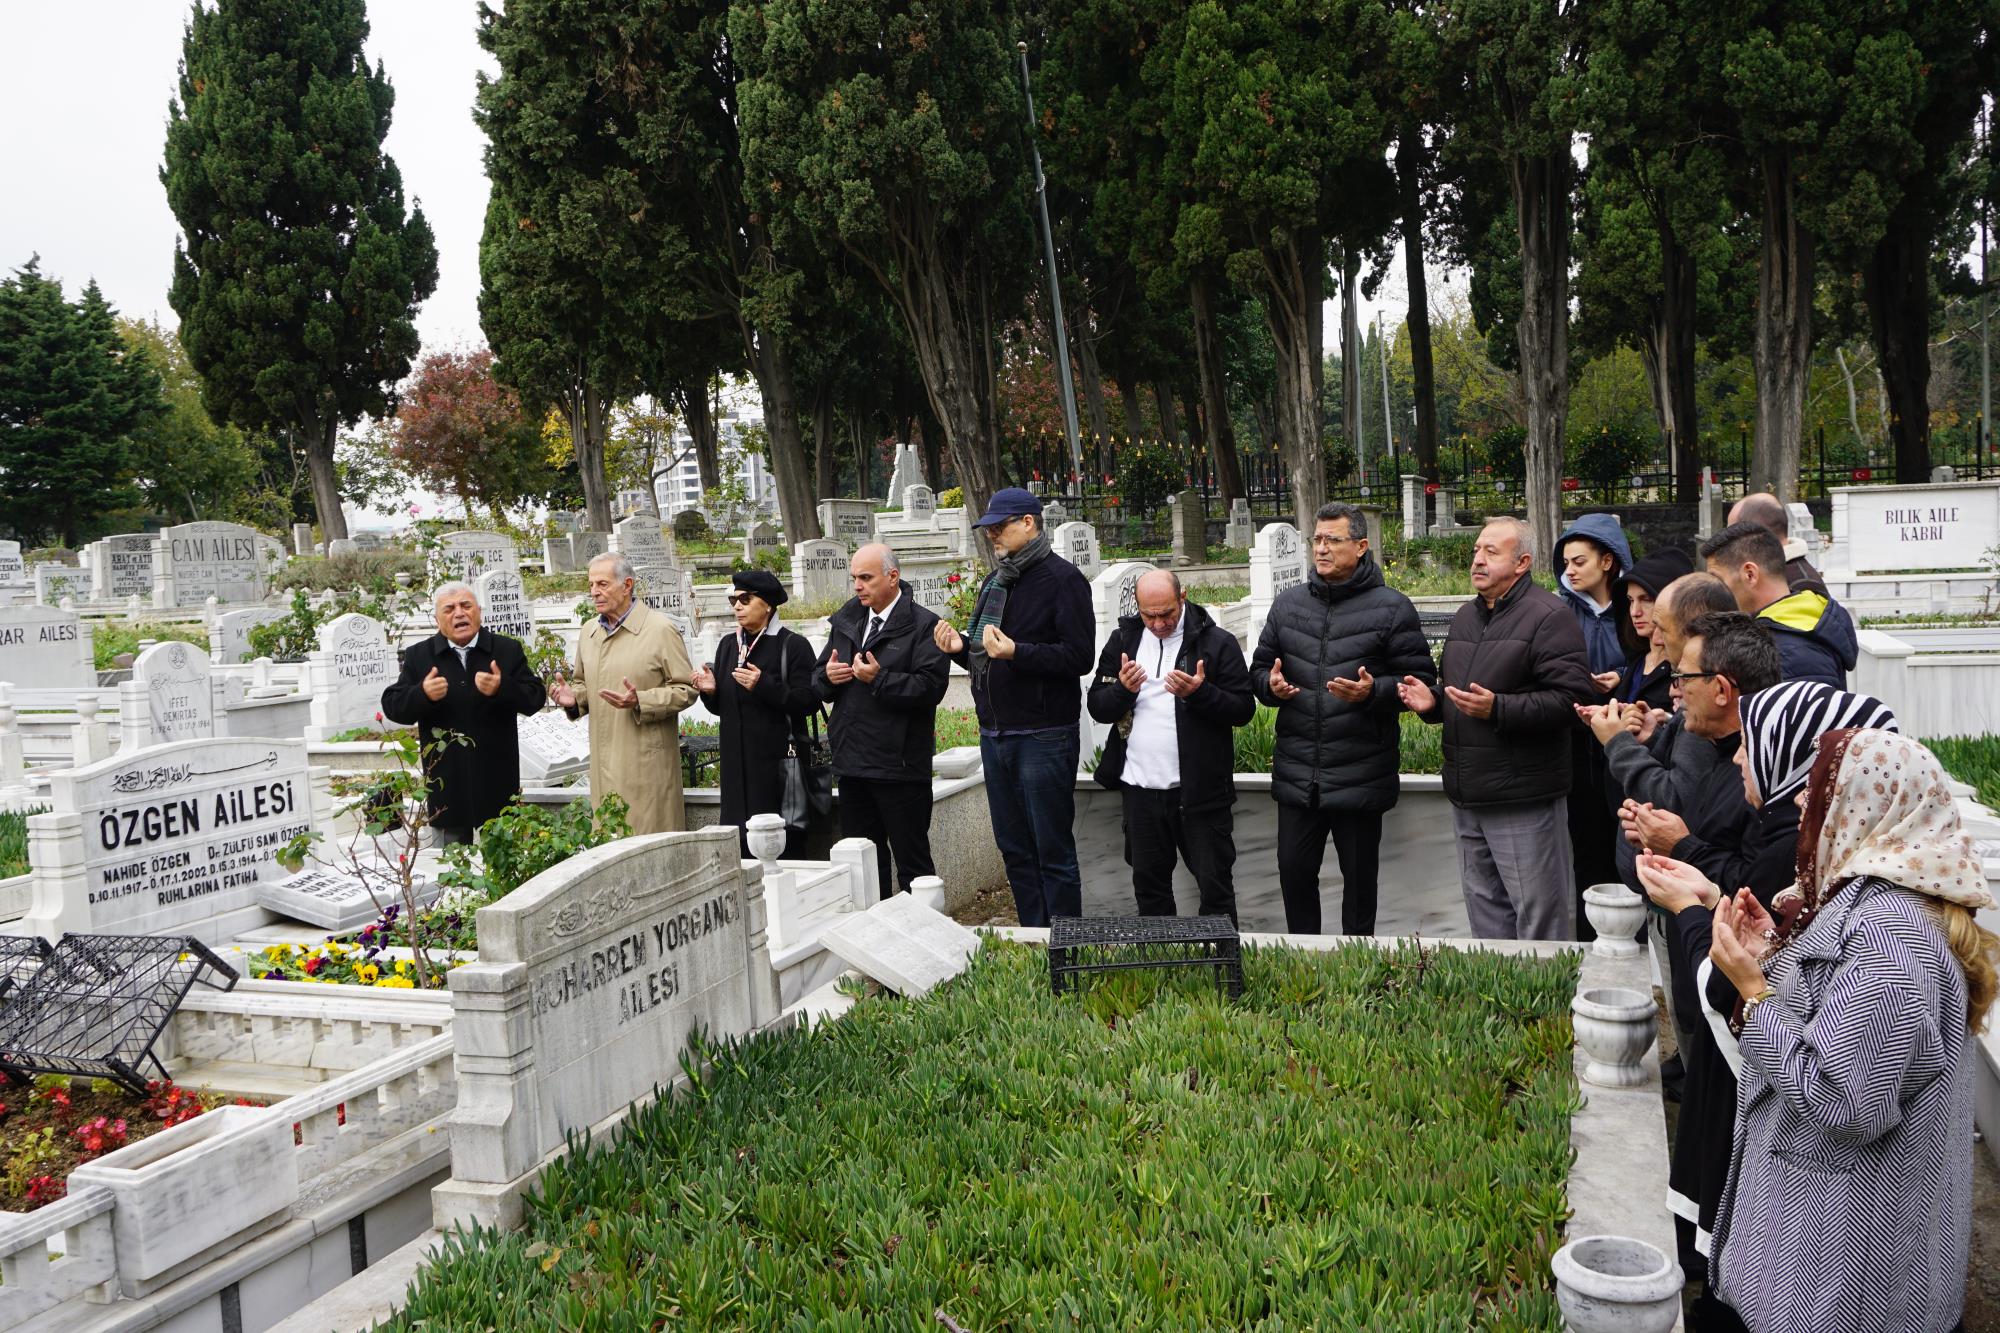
(471, 681)
(639, 666)
(1513, 670)
(883, 673)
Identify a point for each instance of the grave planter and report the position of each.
(1615, 1284)
(194, 1185)
(1615, 1027)
(1616, 913)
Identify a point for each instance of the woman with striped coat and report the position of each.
(1848, 1203)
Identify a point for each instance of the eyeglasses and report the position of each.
(1678, 676)
(739, 598)
(1334, 541)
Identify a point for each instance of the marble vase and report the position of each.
(1614, 1026)
(1616, 913)
(1615, 1284)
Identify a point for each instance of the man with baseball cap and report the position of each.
(1026, 649)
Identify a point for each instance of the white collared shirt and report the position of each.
(883, 615)
(1152, 750)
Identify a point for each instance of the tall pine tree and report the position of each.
(70, 396)
(300, 268)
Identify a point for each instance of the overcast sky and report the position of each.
(86, 96)
(85, 99)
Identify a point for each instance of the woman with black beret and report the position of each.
(760, 686)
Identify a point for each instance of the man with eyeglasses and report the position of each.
(1026, 649)
(1173, 684)
(1728, 657)
(1329, 660)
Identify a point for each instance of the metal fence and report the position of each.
(1096, 495)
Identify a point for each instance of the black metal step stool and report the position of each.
(1080, 944)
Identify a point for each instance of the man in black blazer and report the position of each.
(1174, 687)
(471, 681)
(884, 675)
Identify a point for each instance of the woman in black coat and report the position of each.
(760, 686)
(1645, 678)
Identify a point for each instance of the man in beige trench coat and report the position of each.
(633, 677)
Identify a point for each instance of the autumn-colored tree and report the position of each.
(459, 430)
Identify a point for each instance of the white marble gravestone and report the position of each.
(552, 747)
(760, 537)
(933, 583)
(1277, 562)
(585, 546)
(468, 554)
(662, 583)
(908, 472)
(919, 504)
(229, 633)
(174, 694)
(906, 946)
(558, 556)
(196, 561)
(12, 568)
(503, 605)
(44, 648)
(348, 673)
(170, 838)
(850, 522)
(1114, 594)
(122, 566)
(54, 583)
(1416, 516)
(1893, 529)
(590, 979)
(819, 570)
(1076, 542)
(1242, 527)
(337, 900)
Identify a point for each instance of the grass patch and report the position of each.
(555, 585)
(1369, 1139)
(1975, 761)
(1218, 594)
(110, 638)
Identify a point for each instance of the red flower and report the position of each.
(313, 965)
(45, 1189)
(951, 578)
(378, 716)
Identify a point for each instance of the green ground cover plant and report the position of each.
(111, 638)
(1974, 761)
(1368, 1139)
(14, 841)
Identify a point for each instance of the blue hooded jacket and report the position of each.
(1600, 628)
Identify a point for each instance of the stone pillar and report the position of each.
(1447, 505)
(1190, 529)
(302, 539)
(14, 791)
(1414, 525)
(765, 1001)
(91, 738)
(1709, 513)
(858, 855)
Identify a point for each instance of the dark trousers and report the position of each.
(1593, 829)
(1712, 1316)
(896, 817)
(1357, 840)
(1156, 828)
(1031, 795)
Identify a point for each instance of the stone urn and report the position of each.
(765, 835)
(1617, 914)
(1614, 1026)
(1615, 1284)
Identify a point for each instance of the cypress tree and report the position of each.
(70, 397)
(300, 269)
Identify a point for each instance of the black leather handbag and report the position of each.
(808, 777)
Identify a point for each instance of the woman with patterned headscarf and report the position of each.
(1781, 728)
(1849, 1197)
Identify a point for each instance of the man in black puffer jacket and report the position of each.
(1329, 659)
(1513, 671)
(1173, 684)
